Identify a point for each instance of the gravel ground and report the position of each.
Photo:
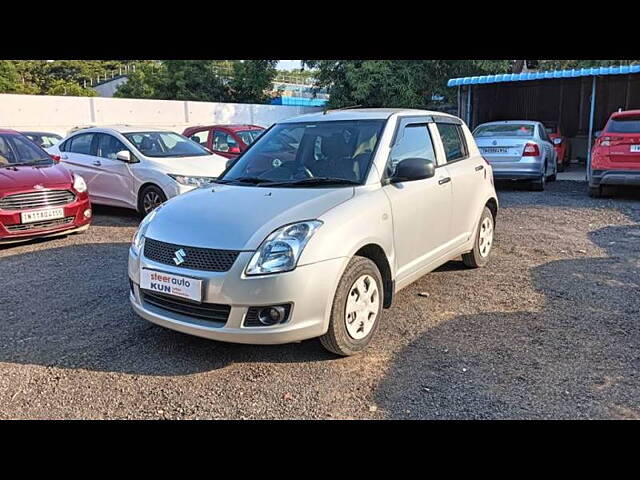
(548, 330)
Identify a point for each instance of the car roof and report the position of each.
(8, 131)
(625, 113)
(122, 129)
(233, 127)
(360, 114)
(516, 122)
(32, 132)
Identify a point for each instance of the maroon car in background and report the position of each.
(560, 144)
(38, 196)
(226, 140)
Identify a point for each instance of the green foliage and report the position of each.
(69, 88)
(9, 78)
(203, 80)
(394, 83)
(569, 64)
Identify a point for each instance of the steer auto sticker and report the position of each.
(171, 284)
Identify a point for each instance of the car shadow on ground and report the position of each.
(577, 189)
(96, 329)
(104, 216)
(575, 357)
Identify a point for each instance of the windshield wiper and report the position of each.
(251, 180)
(317, 181)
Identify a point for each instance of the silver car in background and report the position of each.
(518, 150)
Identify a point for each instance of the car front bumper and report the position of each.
(309, 289)
(615, 177)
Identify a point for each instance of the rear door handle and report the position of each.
(97, 163)
(479, 167)
(444, 180)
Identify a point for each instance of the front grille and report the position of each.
(195, 258)
(45, 224)
(47, 198)
(207, 311)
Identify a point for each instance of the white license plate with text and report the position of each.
(39, 215)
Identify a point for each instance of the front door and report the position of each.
(421, 209)
(112, 181)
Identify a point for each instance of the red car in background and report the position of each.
(226, 140)
(615, 158)
(38, 196)
(560, 144)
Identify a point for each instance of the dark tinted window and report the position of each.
(455, 147)
(80, 144)
(109, 146)
(414, 142)
(629, 124)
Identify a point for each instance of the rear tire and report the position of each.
(479, 256)
(595, 192)
(150, 198)
(356, 309)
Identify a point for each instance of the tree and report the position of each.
(9, 77)
(69, 88)
(144, 82)
(395, 83)
(251, 80)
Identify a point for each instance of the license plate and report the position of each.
(495, 150)
(170, 284)
(635, 148)
(39, 215)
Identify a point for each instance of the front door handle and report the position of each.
(479, 167)
(97, 163)
(64, 157)
(444, 180)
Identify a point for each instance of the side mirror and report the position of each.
(195, 138)
(229, 163)
(124, 155)
(557, 141)
(411, 169)
(598, 133)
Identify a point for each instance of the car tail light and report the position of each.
(56, 158)
(609, 141)
(531, 150)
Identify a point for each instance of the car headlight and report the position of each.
(281, 250)
(191, 181)
(138, 237)
(79, 184)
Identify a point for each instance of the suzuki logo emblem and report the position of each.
(38, 187)
(179, 257)
(495, 142)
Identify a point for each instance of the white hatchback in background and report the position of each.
(137, 167)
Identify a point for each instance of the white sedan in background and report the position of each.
(136, 167)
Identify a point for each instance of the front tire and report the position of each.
(150, 198)
(356, 309)
(479, 256)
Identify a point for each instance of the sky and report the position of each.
(288, 64)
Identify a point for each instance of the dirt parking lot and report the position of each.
(550, 329)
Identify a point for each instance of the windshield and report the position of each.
(628, 124)
(165, 144)
(18, 150)
(249, 136)
(522, 130)
(316, 152)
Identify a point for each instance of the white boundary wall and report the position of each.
(60, 114)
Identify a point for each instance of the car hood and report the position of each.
(232, 217)
(203, 166)
(22, 178)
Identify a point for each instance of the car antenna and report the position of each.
(343, 108)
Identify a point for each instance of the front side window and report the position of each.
(80, 144)
(165, 144)
(16, 150)
(109, 146)
(455, 147)
(249, 136)
(200, 137)
(414, 142)
(336, 151)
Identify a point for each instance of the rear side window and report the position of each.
(80, 144)
(414, 142)
(453, 141)
(630, 124)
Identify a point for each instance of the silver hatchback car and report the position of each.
(315, 228)
(518, 150)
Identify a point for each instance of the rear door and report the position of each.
(467, 173)
(112, 180)
(623, 134)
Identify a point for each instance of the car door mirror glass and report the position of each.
(411, 169)
(124, 156)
